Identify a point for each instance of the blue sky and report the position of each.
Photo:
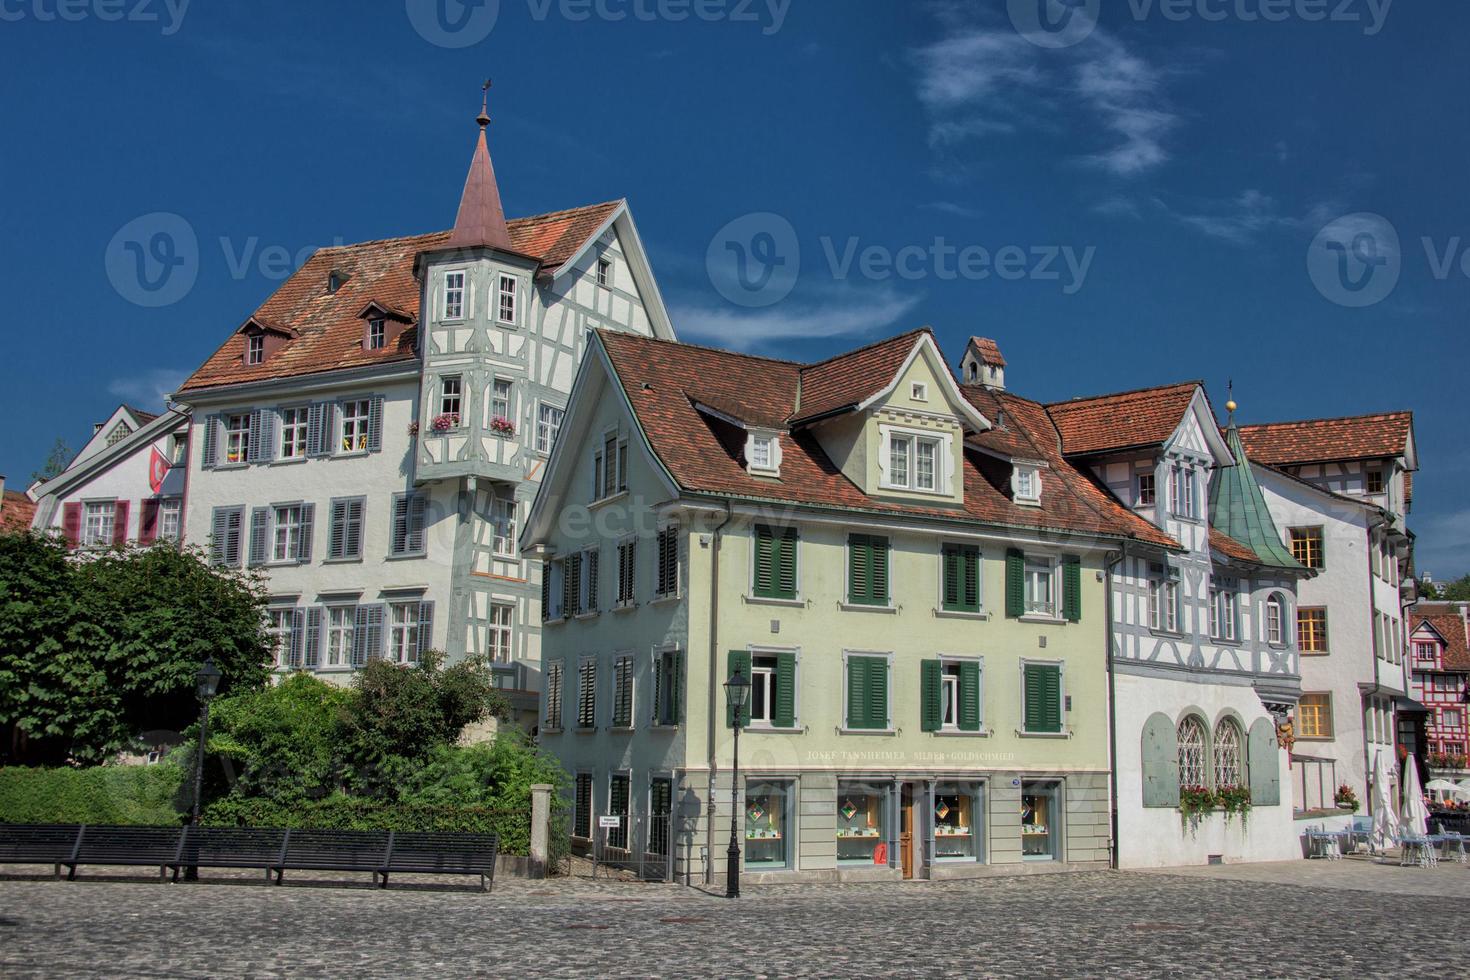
(923, 163)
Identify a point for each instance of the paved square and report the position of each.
(1349, 918)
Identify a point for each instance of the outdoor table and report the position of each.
(1450, 839)
(1323, 844)
(1417, 852)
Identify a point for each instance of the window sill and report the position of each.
(755, 600)
(551, 731)
(287, 461)
(406, 556)
(587, 615)
(625, 607)
(605, 501)
(1024, 734)
(1172, 634)
(507, 324)
(555, 621)
(586, 731)
(342, 561)
(1040, 618)
(622, 730)
(961, 733)
(772, 730)
(664, 600)
(960, 614)
(663, 728)
(915, 490)
(232, 466)
(860, 607)
(349, 453)
(885, 732)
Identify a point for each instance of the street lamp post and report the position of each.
(737, 693)
(206, 685)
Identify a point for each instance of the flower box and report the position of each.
(502, 426)
(445, 422)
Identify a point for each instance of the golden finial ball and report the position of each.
(1230, 406)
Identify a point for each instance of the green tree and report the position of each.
(56, 461)
(1456, 591)
(95, 652)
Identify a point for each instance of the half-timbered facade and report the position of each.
(1203, 655)
(371, 437)
(1439, 662)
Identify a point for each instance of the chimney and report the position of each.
(983, 364)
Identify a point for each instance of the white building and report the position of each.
(371, 436)
(1340, 492)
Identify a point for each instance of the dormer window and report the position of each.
(1375, 482)
(377, 334)
(255, 349)
(453, 305)
(763, 453)
(334, 282)
(1026, 484)
(914, 461)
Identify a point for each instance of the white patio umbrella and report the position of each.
(1416, 814)
(1441, 786)
(1385, 814)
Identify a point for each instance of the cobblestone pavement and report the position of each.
(1100, 923)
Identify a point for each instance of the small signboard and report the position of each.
(609, 823)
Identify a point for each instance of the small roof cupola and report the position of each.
(983, 364)
(1238, 507)
(481, 218)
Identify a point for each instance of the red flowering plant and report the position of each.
(1346, 798)
(502, 425)
(445, 422)
(1196, 800)
(1233, 800)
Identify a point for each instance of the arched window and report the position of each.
(1228, 770)
(1192, 762)
(1276, 620)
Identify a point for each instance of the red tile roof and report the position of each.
(1448, 623)
(851, 378)
(1231, 548)
(1324, 440)
(665, 381)
(330, 325)
(1126, 420)
(989, 351)
(16, 511)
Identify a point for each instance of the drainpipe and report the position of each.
(1113, 559)
(714, 688)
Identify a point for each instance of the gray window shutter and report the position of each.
(375, 424)
(591, 573)
(360, 637)
(211, 443)
(337, 530)
(1264, 759)
(426, 628)
(352, 540)
(314, 430)
(219, 536)
(252, 454)
(1160, 761)
(375, 630)
(418, 508)
(263, 444)
(308, 528)
(259, 532)
(329, 427)
(234, 519)
(311, 654)
(298, 636)
(398, 532)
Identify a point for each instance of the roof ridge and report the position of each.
(1395, 413)
(1122, 394)
(431, 234)
(684, 345)
(869, 346)
(558, 214)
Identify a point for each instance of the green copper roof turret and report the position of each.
(1238, 509)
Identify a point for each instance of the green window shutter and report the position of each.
(857, 693)
(785, 707)
(961, 578)
(1160, 760)
(766, 547)
(1015, 583)
(1263, 763)
(1043, 698)
(970, 564)
(739, 660)
(785, 586)
(969, 696)
(879, 591)
(931, 686)
(953, 575)
(859, 568)
(1072, 588)
(877, 693)
(676, 685)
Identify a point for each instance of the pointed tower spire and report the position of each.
(1238, 507)
(481, 219)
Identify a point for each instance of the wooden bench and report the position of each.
(232, 847)
(139, 847)
(53, 844)
(430, 853)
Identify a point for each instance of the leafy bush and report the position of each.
(99, 795)
(282, 743)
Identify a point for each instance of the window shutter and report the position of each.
(1032, 698)
(879, 589)
(765, 562)
(210, 459)
(218, 534)
(308, 528)
(314, 430)
(368, 638)
(71, 524)
(784, 715)
(426, 628)
(1043, 698)
(676, 686)
(857, 693)
(120, 523)
(931, 688)
(970, 565)
(878, 692)
(234, 527)
(418, 506)
(1263, 757)
(1015, 583)
(545, 591)
(398, 534)
(786, 564)
(591, 560)
(148, 523)
(622, 466)
(337, 529)
(861, 573)
(739, 660)
(1072, 588)
(311, 655)
(259, 532)
(375, 424)
(1160, 761)
(360, 637)
(953, 587)
(969, 696)
(572, 585)
(353, 539)
(298, 637)
(252, 453)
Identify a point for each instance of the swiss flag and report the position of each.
(157, 470)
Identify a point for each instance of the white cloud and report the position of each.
(845, 312)
(980, 82)
(148, 389)
(952, 207)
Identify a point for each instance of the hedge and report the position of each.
(97, 795)
(347, 813)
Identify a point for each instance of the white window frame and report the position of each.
(377, 333)
(340, 633)
(451, 396)
(1276, 634)
(888, 479)
(768, 464)
(604, 273)
(507, 297)
(496, 401)
(403, 637)
(1224, 613)
(285, 533)
(237, 436)
(279, 620)
(1053, 575)
(1026, 483)
(503, 514)
(1164, 600)
(293, 422)
(255, 349)
(546, 432)
(497, 632)
(460, 292)
(1146, 496)
(767, 679)
(352, 427)
(919, 391)
(1063, 708)
(171, 519)
(99, 521)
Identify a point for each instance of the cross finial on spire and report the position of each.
(484, 118)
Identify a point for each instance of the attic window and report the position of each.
(377, 334)
(604, 273)
(255, 349)
(763, 454)
(919, 392)
(334, 282)
(1026, 484)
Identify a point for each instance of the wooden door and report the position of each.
(906, 831)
